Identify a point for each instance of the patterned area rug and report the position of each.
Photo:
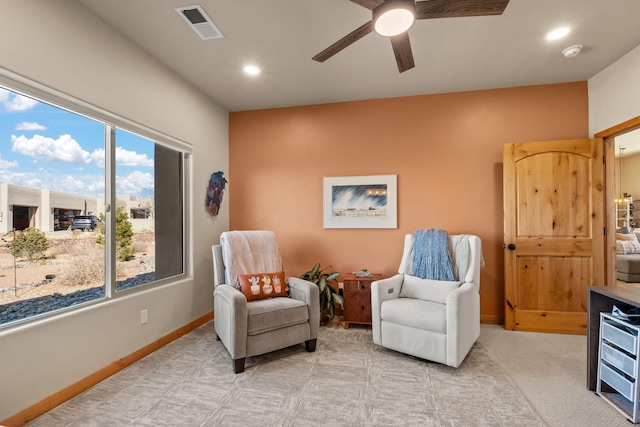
(347, 381)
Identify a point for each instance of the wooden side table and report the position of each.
(357, 299)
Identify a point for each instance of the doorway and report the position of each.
(618, 177)
(23, 217)
(627, 182)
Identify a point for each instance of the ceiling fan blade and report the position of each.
(347, 40)
(402, 50)
(458, 8)
(369, 4)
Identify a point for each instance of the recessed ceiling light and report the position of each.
(558, 33)
(252, 70)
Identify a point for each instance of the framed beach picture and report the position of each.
(360, 201)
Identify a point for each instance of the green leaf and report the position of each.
(333, 276)
(338, 299)
(322, 284)
(315, 269)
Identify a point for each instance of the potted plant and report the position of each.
(328, 287)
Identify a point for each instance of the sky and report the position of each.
(359, 196)
(45, 147)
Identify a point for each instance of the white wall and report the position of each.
(630, 177)
(59, 44)
(614, 93)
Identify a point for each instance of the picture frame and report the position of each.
(360, 201)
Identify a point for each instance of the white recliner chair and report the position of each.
(433, 320)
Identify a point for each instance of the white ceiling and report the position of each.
(454, 54)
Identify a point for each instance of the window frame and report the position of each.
(24, 86)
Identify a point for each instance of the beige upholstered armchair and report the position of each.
(432, 319)
(263, 318)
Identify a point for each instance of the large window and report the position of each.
(88, 210)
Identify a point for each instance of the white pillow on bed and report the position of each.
(426, 289)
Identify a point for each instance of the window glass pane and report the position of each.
(169, 212)
(51, 195)
(149, 240)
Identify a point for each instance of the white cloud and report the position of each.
(95, 185)
(131, 158)
(30, 126)
(5, 164)
(32, 180)
(64, 149)
(98, 157)
(73, 185)
(87, 185)
(23, 179)
(123, 158)
(14, 102)
(133, 183)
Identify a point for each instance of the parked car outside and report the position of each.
(84, 222)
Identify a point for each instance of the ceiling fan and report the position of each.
(393, 18)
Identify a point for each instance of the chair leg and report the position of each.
(218, 337)
(238, 366)
(310, 345)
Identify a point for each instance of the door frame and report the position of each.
(610, 209)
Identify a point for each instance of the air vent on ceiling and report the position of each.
(198, 19)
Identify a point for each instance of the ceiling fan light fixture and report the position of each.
(393, 17)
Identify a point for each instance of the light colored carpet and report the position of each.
(550, 369)
(347, 381)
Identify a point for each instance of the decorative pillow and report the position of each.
(631, 237)
(627, 247)
(263, 285)
(426, 289)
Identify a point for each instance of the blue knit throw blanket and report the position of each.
(431, 256)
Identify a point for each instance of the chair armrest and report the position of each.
(218, 266)
(382, 290)
(230, 319)
(308, 292)
(463, 322)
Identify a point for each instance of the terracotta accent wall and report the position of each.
(446, 150)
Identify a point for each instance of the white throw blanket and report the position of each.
(249, 252)
(460, 255)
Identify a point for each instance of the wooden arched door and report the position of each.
(553, 233)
